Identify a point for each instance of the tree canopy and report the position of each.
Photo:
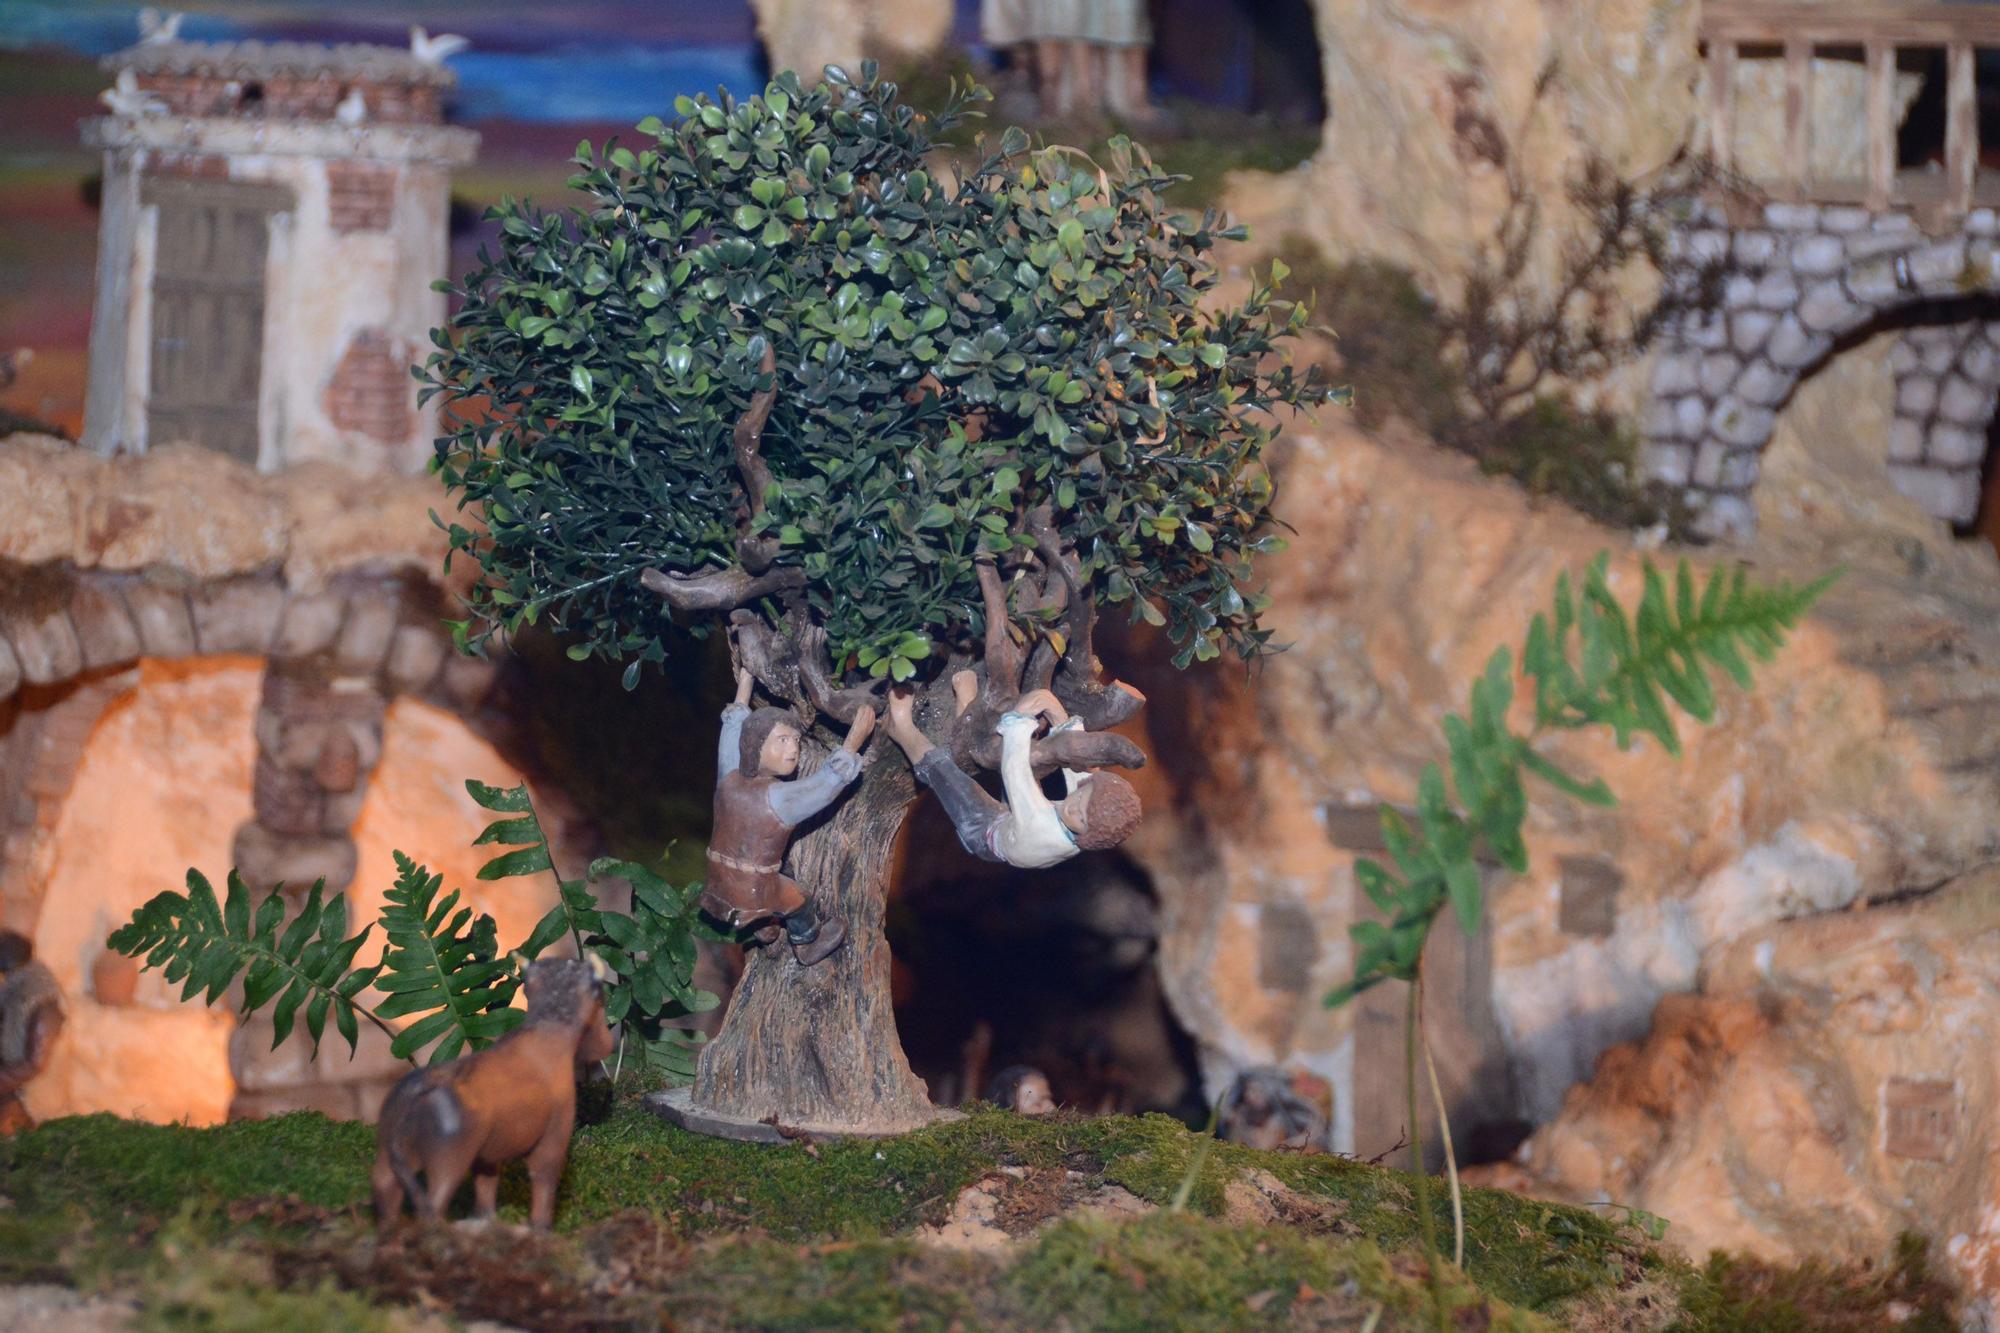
(784, 364)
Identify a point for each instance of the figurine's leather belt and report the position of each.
(743, 866)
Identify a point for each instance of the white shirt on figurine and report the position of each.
(1033, 837)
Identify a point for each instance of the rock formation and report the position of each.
(1862, 767)
(809, 35)
(1437, 111)
(1831, 1086)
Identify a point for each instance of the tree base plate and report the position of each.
(676, 1106)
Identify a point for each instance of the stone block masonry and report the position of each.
(1795, 281)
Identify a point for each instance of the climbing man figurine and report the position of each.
(1029, 830)
(30, 1017)
(757, 805)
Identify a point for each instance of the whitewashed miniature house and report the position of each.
(274, 215)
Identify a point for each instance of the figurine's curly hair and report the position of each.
(757, 729)
(1111, 812)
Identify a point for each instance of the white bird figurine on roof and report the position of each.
(436, 50)
(156, 27)
(125, 98)
(353, 108)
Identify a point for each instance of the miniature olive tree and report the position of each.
(784, 377)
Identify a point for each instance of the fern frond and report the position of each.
(442, 962)
(575, 912)
(1622, 669)
(653, 953)
(1590, 664)
(205, 946)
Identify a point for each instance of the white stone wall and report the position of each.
(324, 287)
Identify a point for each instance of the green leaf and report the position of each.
(1462, 879)
(510, 800)
(1594, 792)
(205, 947)
(440, 963)
(1592, 664)
(523, 861)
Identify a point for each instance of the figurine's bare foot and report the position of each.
(1042, 703)
(964, 690)
(902, 725)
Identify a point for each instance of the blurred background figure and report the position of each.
(30, 1017)
(1269, 1108)
(1087, 57)
(1022, 1089)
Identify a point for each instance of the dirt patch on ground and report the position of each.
(41, 1308)
(1016, 1203)
(1259, 1198)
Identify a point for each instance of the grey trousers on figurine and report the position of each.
(973, 811)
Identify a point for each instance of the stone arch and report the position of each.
(335, 657)
(1794, 282)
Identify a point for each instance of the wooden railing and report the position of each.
(1880, 31)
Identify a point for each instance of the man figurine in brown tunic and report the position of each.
(757, 805)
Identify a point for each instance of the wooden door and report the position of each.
(1474, 1070)
(208, 312)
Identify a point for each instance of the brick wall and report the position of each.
(360, 196)
(291, 97)
(371, 391)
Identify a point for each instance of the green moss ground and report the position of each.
(265, 1223)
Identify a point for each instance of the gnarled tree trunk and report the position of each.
(815, 1048)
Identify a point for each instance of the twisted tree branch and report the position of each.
(1066, 749)
(718, 589)
(841, 704)
(1078, 677)
(746, 443)
(766, 654)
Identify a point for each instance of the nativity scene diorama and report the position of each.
(899, 436)
(1259, 778)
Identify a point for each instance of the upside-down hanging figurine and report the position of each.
(1028, 830)
(1098, 810)
(757, 805)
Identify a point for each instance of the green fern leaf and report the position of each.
(204, 946)
(576, 906)
(524, 832)
(1594, 792)
(442, 962)
(1591, 664)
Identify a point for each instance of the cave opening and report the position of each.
(998, 969)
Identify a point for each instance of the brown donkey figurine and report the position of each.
(516, 1098)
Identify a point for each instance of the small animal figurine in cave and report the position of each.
(31, 1016)
(1023, 1089)
(1268, 1108)
(516, 1098)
